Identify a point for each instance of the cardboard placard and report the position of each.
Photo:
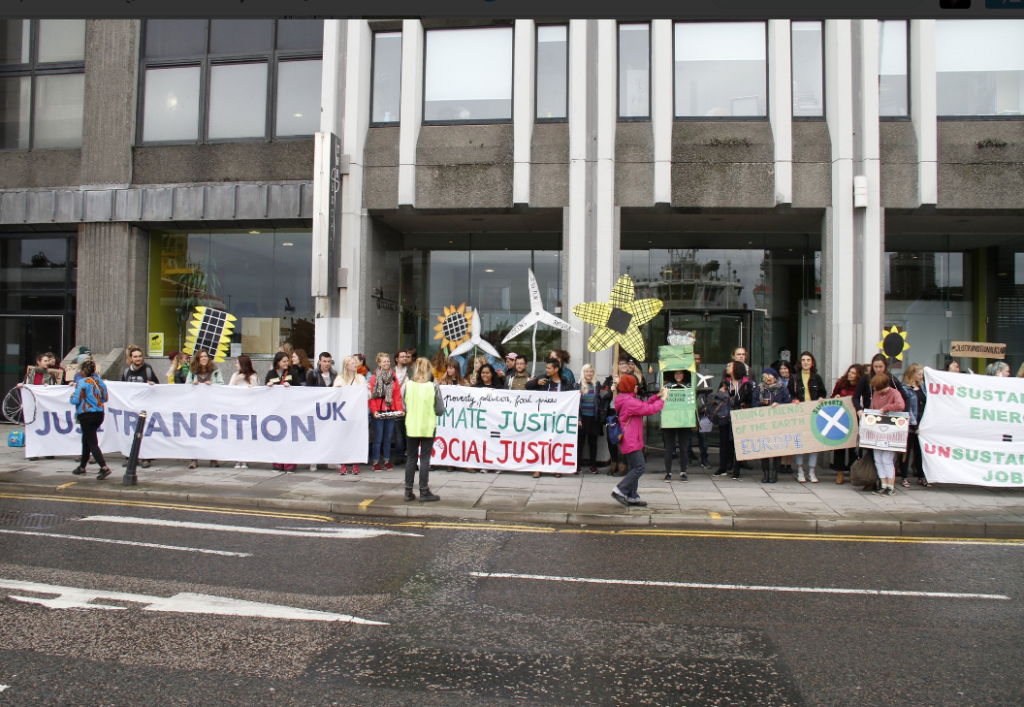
(887, 432)
(797, 428)
(977, 349)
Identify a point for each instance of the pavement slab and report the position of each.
(704, 501)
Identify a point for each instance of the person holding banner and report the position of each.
(453, 374)
(632, 412)
(591, 422)
(349, 375)
(138, 371)
(913, 381)
(846, 387)
(281, 374)
(886, 399)
(518, 377)
(998, 368)
(245, 377)
(552, 380)
(771, 393)
(89, 396)
(204, 372)
(740, 391)
(420, 425)
(385, 405)
(487, 377)
(808, 387)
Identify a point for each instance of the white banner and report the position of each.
(274, 425)
(972, 431)
(507, 430)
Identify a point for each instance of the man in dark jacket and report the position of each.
(138, 371)
(552, 380)
(324, 374)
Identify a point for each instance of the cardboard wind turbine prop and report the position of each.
(210, 330)
(474, 340)
(618, 320)
(537, 315)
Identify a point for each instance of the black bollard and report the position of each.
(130, 478)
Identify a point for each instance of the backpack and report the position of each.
(719, 409)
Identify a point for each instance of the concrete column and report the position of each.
(576, 220)
(869, 295)
(662, 110)
(332, 111)
(780, 106)
(924, 108)
(113, 286)
(413, 42)
(524, 111)
(837, 256)
(352, 299)
(111, 90)
(606, 235)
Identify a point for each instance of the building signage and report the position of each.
(977, 349)
(797, 428)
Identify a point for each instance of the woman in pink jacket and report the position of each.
(886, 399)
(631, 412)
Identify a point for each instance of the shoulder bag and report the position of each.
(438, 401)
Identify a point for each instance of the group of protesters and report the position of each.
(401, 411)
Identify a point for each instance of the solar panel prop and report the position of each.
(618, 320)
(537, 315)
(210, 330)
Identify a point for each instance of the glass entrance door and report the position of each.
(718, 334)
(24, 336)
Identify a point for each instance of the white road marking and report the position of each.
(183, 603)
(339, 532)
(110, 541)
(3, 687)
(742, 587)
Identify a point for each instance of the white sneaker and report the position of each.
(244, 466)
(238, 465)
(800, 476)
(812, 477)
(312, 467)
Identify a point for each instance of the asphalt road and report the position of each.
(480, 614)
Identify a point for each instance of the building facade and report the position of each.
(780, 185)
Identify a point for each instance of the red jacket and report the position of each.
(377, 404)
(631, 414)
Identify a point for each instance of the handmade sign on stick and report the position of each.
(618, 320)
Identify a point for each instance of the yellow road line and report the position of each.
(714, 515)
(532, 529)
(70, 483)
(364, 504)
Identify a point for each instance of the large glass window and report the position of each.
(218, 79)
(893, 77)
(42, 83)
(928, 296)
(980, 67)
(261, 277)
(455, 269)
(635, 70)
(721, 69)
(468, 75)
(808, 51)
(552, 72)
(387, 78)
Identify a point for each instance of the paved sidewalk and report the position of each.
(705, 502)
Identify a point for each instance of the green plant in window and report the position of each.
(194, 288)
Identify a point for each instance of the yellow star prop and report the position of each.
(619, 319)
(894, 343)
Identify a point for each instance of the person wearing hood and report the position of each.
(771, 393)
(631, 412)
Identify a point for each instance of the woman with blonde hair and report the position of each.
(420, 424)
(913, 381)
(385, 405)
(478, 363)
(591, 425)
(178, 371)
(349, 375)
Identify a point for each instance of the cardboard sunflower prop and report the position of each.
(452, 327)
(893, 343)
(619, 319)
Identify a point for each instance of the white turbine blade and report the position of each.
(462, 348)
(486, 346)
(553, 321)
(536, 303)
(525, 323)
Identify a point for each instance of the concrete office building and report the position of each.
(796, 185)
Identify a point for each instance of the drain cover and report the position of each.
(20, 519)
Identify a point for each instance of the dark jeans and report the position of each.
(912, 459)
(400, 443)
(90, 422)
(589, 430)
(843, 459)
(702, 442)
(727, 453)
(636, 467)
(677, 437)
(382, 430)
(418, 447)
